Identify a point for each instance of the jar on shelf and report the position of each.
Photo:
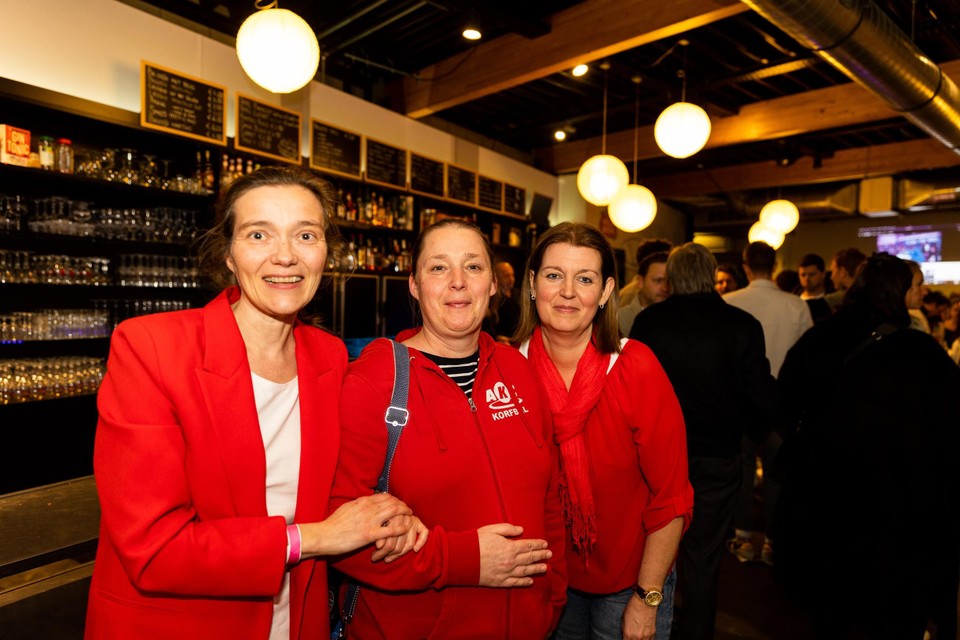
(45, 151)
(64, 155)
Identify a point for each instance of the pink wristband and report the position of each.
(293, 538)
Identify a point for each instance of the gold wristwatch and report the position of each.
(651, 598)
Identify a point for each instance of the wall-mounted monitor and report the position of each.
(920, 247)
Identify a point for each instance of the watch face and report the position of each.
(653, 598)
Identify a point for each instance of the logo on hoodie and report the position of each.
(502, 403)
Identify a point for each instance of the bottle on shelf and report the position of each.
(209, 180)
(226, 175)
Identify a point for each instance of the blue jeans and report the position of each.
(600, 617)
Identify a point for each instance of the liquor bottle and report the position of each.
(225, 177)
(209, 179)
(249, 166)
(198, 173)
(361, 254)
(368, 208)
(341, 208)
(351, 207)
(350, 260)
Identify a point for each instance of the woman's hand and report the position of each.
(389, 549)
(356, 524)
(510, 563)
(639, 620)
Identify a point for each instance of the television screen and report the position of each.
(919, 247)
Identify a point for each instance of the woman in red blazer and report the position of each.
(218, 438)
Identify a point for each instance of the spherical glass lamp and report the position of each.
(780, 215)
(760, 233)
(278, 50)
(633, 209)
(600, 178)
(682, 129)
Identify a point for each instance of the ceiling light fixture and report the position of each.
(471, 32)
(683, 128)
(277, 48)
(760, 233)
(780, 215)
(560, 135)
(602, 177)
(580, 70)
(635, 207)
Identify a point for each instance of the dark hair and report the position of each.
(649, 247)
(788, 280)
(215, 244)
(735, 272)
(760, 257)
(691, 269)
(606, 328)
(813, 260)
(456, 223)
(659, 257)
(935, 297)
(850, 259)
(879, 293)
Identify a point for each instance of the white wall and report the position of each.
(92, 49)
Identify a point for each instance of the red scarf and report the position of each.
(570, 412)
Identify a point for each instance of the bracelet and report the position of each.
(293, 544)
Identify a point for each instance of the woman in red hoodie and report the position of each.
(623, 450)
(476, 462)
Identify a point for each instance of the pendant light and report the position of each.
(780, 215)
(759, 233)
(602, 177)
(635, 207)
(683, 128)
(277, 48)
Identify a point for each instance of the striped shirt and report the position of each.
(463, 371)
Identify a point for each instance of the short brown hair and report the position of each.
(606, 329)
(691, 269)
(215, 244)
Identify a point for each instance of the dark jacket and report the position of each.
(714, 355)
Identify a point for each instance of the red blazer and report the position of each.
(186, 547)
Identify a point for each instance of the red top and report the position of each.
(458, 469)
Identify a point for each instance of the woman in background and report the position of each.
(623, 452)
(218, 439)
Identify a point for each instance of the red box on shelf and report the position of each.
(14, 145)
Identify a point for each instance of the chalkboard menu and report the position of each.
(334, 150)
(386, 165)
(426, 176)
(490, 193)
(514, 199)
(461, 185)
(267, 130)
(182, 105)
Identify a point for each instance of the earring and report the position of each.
(533, 296)
(601, 307)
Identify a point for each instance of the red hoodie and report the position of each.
(459, 465)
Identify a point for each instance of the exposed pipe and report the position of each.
(857, 38)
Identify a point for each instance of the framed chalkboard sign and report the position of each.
(386, 165)
(461, 185)
(267, 130)
(334, 150)
(182, 105)
(426, 176)
(514, 199)
(489, 194)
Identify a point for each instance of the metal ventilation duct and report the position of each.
(860, 40)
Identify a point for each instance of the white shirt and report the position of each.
(278, 409)
(783, 316)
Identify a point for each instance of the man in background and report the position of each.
(713, 354)
(508, 313)
(812, 282)
(843, 273)
(650, 285)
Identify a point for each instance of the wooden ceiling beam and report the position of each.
(586, 32)
(838, 106)
(849, 164)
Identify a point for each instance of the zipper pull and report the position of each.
(473, 407)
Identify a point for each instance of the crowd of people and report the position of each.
(565, 460)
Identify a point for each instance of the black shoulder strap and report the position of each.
(397, 414)
(395, 418)
(878, 334)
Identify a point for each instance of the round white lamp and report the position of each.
(633, 209)
(278, 50)
(600, 178)
(760, 233)
(780, 215)
(682, 129)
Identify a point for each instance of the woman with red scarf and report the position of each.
(623, 455)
